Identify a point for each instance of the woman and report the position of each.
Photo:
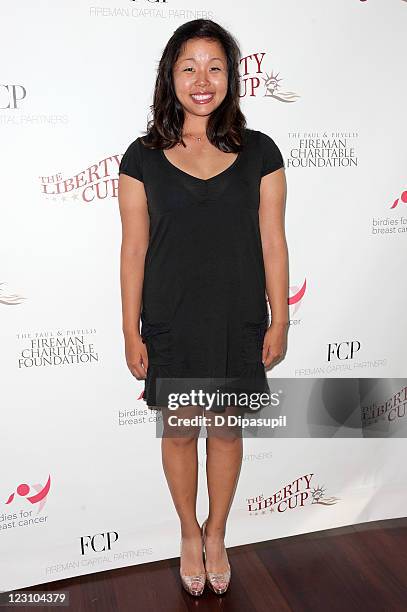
(201, 201)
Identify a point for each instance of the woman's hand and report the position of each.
(275, 343)
(136, 355)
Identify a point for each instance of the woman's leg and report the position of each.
(224, 447)
(180, 463)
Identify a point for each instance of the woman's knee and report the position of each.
(182, 426)
(223, 429)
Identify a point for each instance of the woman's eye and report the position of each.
(190, 68)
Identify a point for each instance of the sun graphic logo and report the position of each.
(39, 497)
(9, 298)
(318, 497)
(272, 87)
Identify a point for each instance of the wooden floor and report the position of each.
(361, 568)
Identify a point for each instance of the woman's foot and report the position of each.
(192, 568)
(216, 560)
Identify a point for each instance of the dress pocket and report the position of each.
(253, 338)
(158, 340)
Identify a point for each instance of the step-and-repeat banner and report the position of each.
(82, 488)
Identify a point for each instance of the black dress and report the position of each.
(204, 310)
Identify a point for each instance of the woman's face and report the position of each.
(201, 68)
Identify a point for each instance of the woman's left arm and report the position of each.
(273, 189)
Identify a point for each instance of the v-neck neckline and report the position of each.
(197, 178)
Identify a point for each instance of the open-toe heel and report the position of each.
(217, 581)
(194, 584)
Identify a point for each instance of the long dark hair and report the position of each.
(226, 124)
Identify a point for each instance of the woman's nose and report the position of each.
(202, 78)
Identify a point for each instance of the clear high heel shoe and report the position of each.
(193, 584)
(218, 581)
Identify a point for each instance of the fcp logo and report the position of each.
(99, 542)
(343, 350)
(11, 95)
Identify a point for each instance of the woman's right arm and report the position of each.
(135, 229)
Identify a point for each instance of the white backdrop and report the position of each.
(79, 455)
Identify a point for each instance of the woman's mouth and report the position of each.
(202, 98)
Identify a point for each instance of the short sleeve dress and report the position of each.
(204, 310)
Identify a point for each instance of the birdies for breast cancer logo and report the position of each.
(293, 496)
(35, 494)
(96, 182)
(402, 199)
(257, 80)
(297, 293)
(394, 223)
(137, 415)
(30, 501)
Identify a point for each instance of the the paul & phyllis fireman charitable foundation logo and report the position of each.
(56, 348)
(35, 497)
(255, 80)
(292, 496)
(322, 149)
